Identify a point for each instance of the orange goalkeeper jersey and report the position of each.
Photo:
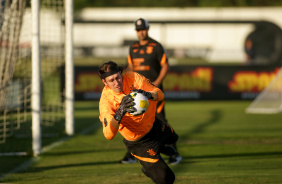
(131, 127)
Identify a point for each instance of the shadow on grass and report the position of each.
(80, 152)
(201, 127)
(216, 116)
(190, 159)
(45, 168)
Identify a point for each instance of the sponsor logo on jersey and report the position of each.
(149, 50)
(151, 152)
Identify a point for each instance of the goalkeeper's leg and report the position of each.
(160, 173)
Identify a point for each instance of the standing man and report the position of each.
(148, 58)
(145, 136)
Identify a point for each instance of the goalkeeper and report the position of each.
(145, 136)
(148, 58)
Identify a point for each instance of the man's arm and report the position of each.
(110, 125)
(162, 75)
(129, 67)
(110, 128)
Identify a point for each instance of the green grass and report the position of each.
(218, 141)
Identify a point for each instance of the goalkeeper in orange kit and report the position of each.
(145, 136)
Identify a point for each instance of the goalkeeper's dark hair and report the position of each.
(109, 68)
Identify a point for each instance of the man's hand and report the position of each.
(145, 93)
(126, 105)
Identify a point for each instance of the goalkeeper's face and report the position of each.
(114, 82)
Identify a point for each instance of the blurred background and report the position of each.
(192, 32)
(217, 50)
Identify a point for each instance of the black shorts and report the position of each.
(147, 149)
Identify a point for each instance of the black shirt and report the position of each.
(147, 59)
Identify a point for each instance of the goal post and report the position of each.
(35, 84)
(35, 42)
(269, 101)
(36, 94)
(69, 68)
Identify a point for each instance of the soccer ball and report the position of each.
(141, 103)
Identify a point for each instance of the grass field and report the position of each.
(219, 144)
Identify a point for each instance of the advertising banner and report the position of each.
(216, 82)
(189, 82)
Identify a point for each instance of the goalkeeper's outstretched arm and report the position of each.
(110, 128)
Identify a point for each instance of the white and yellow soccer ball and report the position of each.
(141, 103)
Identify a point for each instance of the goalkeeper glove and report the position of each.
(145, 93)
(126, 105)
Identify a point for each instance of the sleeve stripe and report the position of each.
(163, 61)
(129, 59)
(160, 108)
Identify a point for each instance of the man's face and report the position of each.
(114, 82)
(142, 34)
